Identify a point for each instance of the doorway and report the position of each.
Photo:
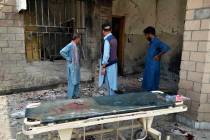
(118, 30)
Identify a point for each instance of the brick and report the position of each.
(2, 15)
(16, 44)
(20, 50)
(189, 14)
(10, 2)
(1, 1)
(200, 67)
(202, 13)
(185, 55)
(205, 24)
(207, 67)
(204, 118)
(200, 35)
(204, 108)
(205, 88)
(206, 78)
(207, 46)
(21, 63)
(15, 30)
(7, 9)
(16, 57)
(187, 65)
(204, 46)
(208, 57)
(4, 57)
(3, 29)
(1, 6)
(206, 3)
(192, 25)
(193, 4)
(7, 37)
(198, 56)
(190, 45)
(208, 98)
(183, 75)
(8, 50)
(6, 23)
(12, 16)
(197, 87)
(203, 98)
(187, 35)
(200, 119)
(3, 44)
(204, 125)
(16, 70)
(8, 77)
(20, 37)
(19, 23)
(186, 84)
(195, 76)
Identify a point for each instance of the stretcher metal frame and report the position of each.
(65, 130)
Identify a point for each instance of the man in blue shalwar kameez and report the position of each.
(71, 53)
(108, 62)
(152, 67)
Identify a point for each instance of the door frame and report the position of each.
(121, 41)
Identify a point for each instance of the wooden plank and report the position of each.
(29, 48)
(35, 45)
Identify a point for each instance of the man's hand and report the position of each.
(157, 58)
(103, 71)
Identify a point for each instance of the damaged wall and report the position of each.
(168, 20)
(99, 11)
(170, 27)
(17, 73)
(135, 22)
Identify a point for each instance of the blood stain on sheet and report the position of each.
(74, 106)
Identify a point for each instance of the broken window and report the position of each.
(49, 26)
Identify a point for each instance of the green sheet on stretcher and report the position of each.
(84, 108)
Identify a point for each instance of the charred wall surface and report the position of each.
(169, 23)
(31, 40)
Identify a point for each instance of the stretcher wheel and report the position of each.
(140, 134)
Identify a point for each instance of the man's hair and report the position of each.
(150, 30)
(106, 27)
(76, 36)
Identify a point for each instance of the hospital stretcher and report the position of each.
(65, 116)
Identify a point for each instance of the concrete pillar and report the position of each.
(12, 45)
(195, 66)
(12, 56)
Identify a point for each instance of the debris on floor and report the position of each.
(165, 124)
(18, 114)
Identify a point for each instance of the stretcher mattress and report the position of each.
(70, 110)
